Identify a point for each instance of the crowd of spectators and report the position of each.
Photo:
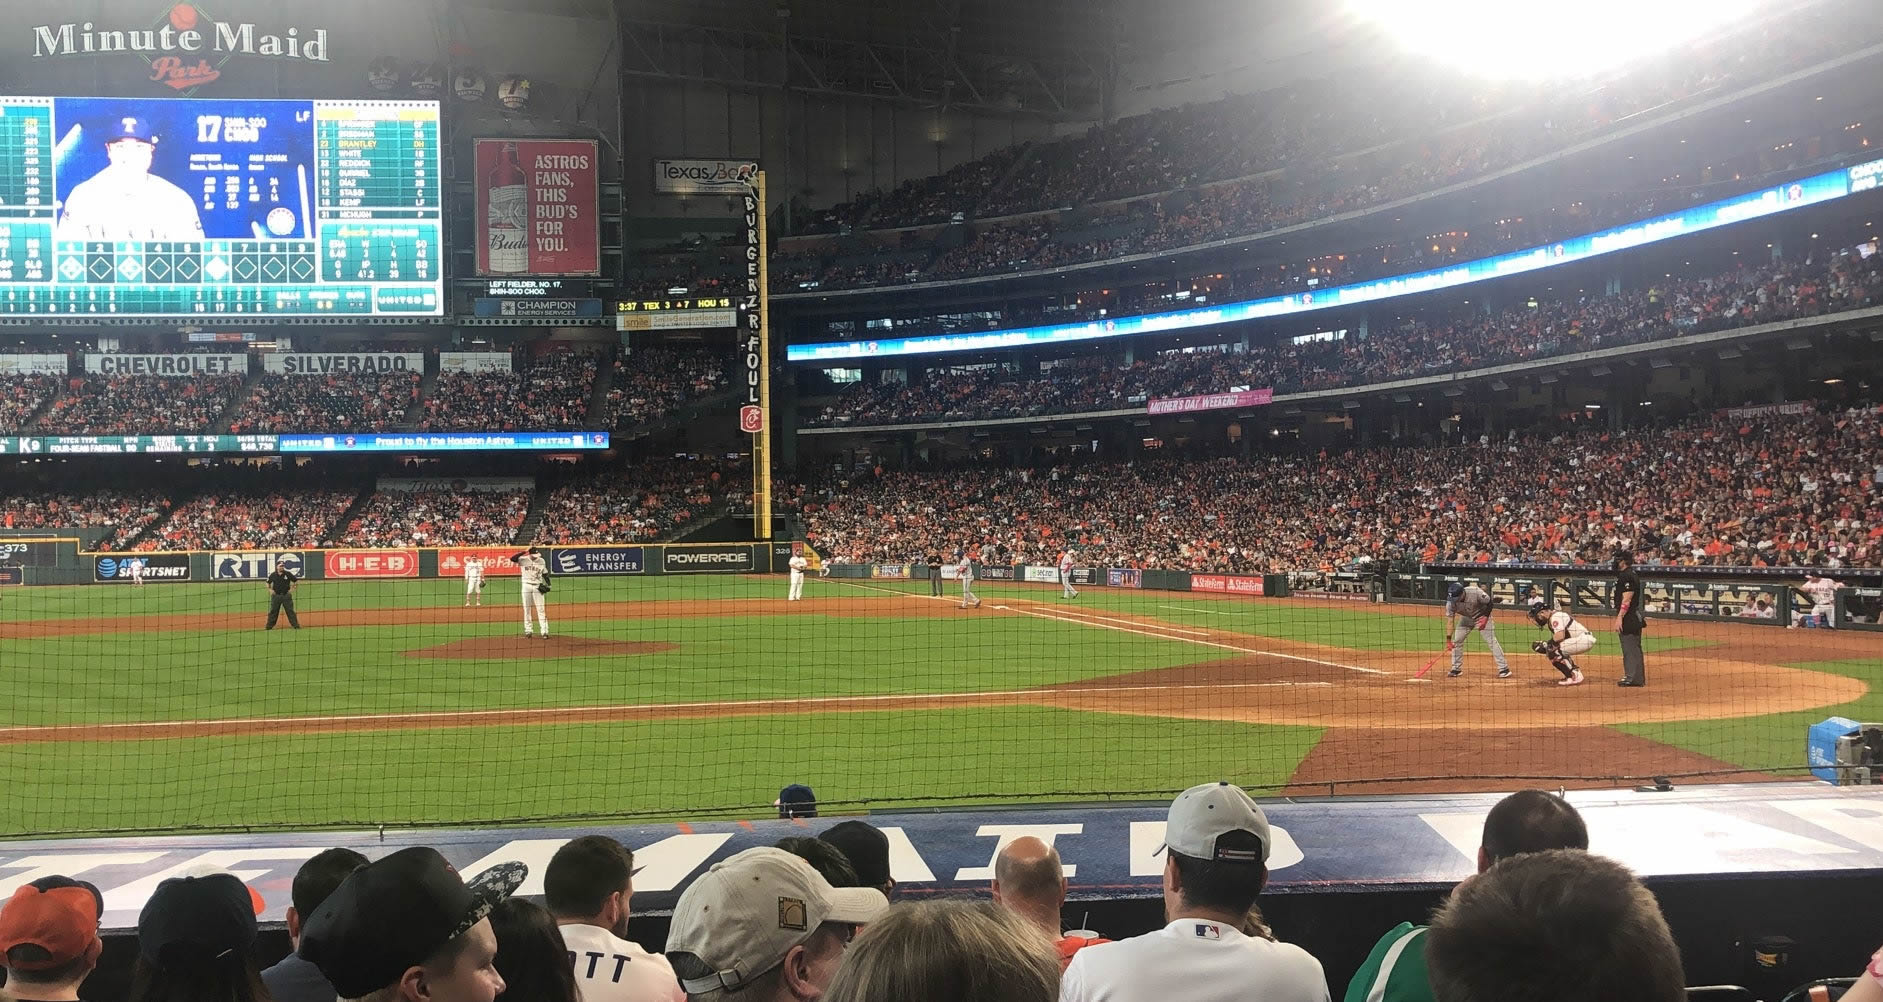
(122, 514)
(437, 518)
(651, 383)
(1772, 488)
(1248, 164)
(139, 405)
(1460, 340)
(818, 916)
(21, 396)
(552, 394)
(260, 520)
(336, 403)
(648, 502)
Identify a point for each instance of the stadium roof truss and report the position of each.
(975, 55)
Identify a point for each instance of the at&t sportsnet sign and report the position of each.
(734, 558)
(116, 569)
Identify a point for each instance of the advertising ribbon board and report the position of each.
(371, 563)
(598, 560)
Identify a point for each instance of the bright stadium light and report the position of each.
(1516, 39)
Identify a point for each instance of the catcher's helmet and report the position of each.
(1539, 609)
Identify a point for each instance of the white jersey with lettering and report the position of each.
(611, 969)
(1561, 622)
(533, 569)
(1195, 960)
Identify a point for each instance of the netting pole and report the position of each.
(759, 342)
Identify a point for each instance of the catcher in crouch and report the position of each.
(1568, 638)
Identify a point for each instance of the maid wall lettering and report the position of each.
(184, 46)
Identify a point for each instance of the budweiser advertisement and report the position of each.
(537, 207)
(499, 561)
(1211, 401)
(371, 563)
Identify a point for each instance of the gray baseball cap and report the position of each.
(1202, 813)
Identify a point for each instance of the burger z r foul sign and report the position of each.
(752, 413)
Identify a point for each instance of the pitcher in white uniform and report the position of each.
(534, 572)
(798, 565)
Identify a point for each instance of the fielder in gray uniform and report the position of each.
(1467, 608)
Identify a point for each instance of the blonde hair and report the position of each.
(945, 951)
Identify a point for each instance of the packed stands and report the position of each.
(551, 395)
(651, 383)
(337, 403)
(139, 405)
(21, 397)
(648, 502)
(1749, 489)
(1465, 339)
(437, 518)
(121, 513)
(234, 520)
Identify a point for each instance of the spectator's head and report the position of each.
(1216, 843)
(828, 860)
(796, 801)
(532, 959)
(49, 937)
(762, 926)
(867, 849)
(1553, 926)
(407, 928)
(193, 940)
(1530, 821)
(590, 880)
(1029, 880)
(941, 951)
(316, 879)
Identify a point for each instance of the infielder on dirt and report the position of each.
(473, 580)
(1467, 608)
(966, 572)
(136, 569)
(534, 571)
(1066, 590)
(1568, 638)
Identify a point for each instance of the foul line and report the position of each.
(1095, 618)
(545, 713)
(1206, 612)
(1191, 640)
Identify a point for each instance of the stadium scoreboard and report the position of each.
(215, 208)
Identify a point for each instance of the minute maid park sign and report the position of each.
(184, 45)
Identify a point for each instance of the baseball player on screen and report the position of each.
(473, 580)
(1568, 638)
(1066, 590)
(125, 201)
(136, 570)
(534, 572)
(797, 565)
(965, 570)
(1467, 608)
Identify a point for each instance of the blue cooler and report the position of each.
(1821, 746)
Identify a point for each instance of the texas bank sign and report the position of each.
(184, 46)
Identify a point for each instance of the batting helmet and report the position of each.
(1453, 590)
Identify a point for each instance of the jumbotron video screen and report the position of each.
(188, 208)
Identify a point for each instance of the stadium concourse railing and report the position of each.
(63, 559)
(1710, 594)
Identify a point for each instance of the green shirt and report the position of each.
(1395, 970)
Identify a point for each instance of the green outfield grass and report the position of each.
(147, 662)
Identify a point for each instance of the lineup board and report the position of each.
(185, 208)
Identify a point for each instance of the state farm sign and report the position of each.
(1226, 583)
(372, 563)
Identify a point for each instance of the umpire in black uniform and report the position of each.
(934, 574)
(281, 597)
(1629, 622)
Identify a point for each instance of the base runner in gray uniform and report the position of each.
(1467, 608)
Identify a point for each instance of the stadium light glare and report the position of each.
(1505, 40)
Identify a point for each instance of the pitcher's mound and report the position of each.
(511, 648)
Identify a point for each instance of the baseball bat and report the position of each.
(1435, 657)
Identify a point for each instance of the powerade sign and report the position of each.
(157, 567)
(598, 560)
(1764, 202)
(706, 559)
(254, 565)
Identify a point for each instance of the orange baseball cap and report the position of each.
(57, 914)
